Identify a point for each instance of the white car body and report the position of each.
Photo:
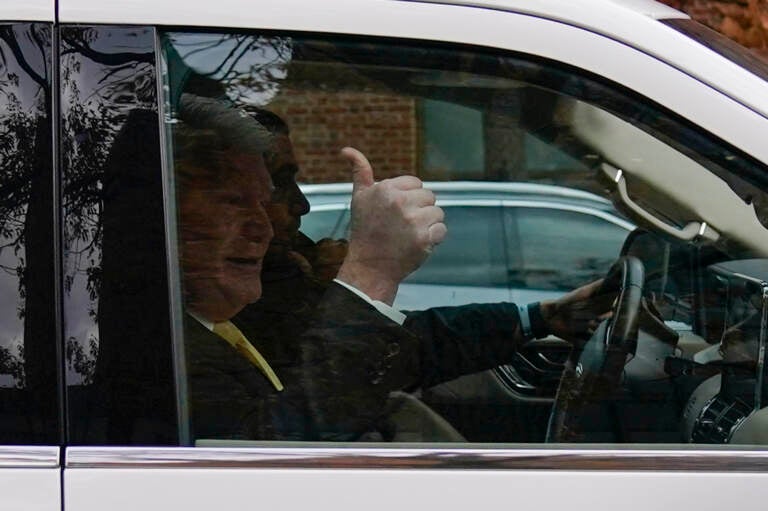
(620, 40)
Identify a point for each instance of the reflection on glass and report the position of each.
(116, 326)
(297, 355)
(28, 375)
(103, 79)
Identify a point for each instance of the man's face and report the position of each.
(225, 232)
(288, 204)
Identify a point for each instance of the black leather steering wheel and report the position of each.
(593, 373)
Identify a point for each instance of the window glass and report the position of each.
(288, 330)
(472, 256)
(332, 222)
(116, 315)
(587, 246)
(453, 140)
(29, 407)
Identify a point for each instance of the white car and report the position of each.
(628, 101)
(490, 265)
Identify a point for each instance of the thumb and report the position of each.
(362, 172)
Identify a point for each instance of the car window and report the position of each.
(327, 222)
(474, 253)
(542, 172)
(587, 246)
(29, 407)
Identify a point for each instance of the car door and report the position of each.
(30, 427)
(133, 420)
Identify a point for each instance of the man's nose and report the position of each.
(299, 204)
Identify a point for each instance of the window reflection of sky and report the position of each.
(100, 90)
(243, 63)
(100, 96)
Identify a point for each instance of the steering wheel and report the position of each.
(593, 373)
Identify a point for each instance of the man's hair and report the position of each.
(209, 131)
(270, 120)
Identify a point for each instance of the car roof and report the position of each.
(634, 23)
(585, 12)
(28, 10)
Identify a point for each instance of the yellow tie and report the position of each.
(230, 333)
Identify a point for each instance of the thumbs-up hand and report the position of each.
(395, 224)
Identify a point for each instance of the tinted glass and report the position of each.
(277, 350)
(474, 253)
(328, 223)
(116, 315)
(587, 246)
(29, 376)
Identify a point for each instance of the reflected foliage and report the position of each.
(246, 69)
(27, 325)
(13, 364)
(100, 88)
(80, 361)
(117, 330)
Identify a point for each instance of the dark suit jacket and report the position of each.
(338, 359)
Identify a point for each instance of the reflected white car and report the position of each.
(482, 259)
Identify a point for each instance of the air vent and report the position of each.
(718, 420)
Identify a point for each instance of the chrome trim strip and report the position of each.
(175, 300)
(18, 456)
(442, 457)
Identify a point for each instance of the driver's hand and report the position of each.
(575, 316)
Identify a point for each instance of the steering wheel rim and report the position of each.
(592, 373)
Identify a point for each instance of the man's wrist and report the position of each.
(539, 326)
(532, 323)
(372, 283)
(387, 310)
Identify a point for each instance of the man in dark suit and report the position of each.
(313, 360)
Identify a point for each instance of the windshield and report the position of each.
(717, 42)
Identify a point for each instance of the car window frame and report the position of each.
(617, 87)
(547, 457)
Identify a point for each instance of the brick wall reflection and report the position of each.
(386, 127)
(381, 126)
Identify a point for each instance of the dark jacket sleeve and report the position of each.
(370, 355)
(460, 340)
